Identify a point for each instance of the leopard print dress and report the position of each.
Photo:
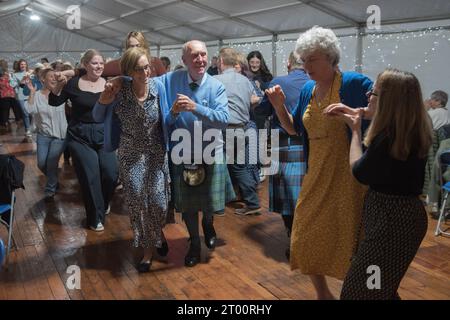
(143, 165)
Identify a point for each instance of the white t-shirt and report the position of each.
(50, 121)
(440, 117)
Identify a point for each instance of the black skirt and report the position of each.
(394, 226)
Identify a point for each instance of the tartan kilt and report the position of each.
(285, 179)
(210, 196)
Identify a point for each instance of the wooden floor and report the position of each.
(248, 263)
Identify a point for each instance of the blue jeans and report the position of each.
(49, 150)
(25, 114)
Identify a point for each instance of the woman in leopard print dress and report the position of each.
(143, 160)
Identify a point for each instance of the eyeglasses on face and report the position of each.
(144, 68)
(371, 93)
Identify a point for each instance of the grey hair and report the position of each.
(319, 39)
(295, 61)
(440, 96)
(186, 46)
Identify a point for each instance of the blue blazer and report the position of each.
(105, 113)
(352, 93)
(292, 85)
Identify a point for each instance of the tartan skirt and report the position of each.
(285, 180)
(210, 196)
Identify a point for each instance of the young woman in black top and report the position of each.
(96, 169)
(394, 219)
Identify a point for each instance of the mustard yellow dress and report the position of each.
(329, 208)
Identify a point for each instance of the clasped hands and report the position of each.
(112, 88)
(351, 116)
(183, 103)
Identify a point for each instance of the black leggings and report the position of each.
(394, 227)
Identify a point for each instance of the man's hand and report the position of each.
(183, 103)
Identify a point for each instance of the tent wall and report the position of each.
(424, 52)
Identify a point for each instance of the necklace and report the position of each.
(140, 100)
(319, 103)
(90, 83)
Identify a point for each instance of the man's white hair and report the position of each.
(319, 39)
(186, 46)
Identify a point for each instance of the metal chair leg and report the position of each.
(11, 227)
(441, 218)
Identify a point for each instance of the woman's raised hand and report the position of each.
(112, 87)
(30, 85)
(276, 96)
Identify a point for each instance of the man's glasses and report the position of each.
(371, 93)
(144, 68)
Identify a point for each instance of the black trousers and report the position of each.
(96, 169)
(191, 220)
(394, 227)
(5, 105)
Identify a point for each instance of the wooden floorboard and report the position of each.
(248, 263)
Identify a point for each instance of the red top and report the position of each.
(6, 91)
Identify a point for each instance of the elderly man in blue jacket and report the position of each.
(199, 104)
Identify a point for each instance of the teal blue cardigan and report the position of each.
(354, 87)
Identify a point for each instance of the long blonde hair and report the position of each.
(139, 36)
(401, 115)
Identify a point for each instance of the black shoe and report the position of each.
(144, 266)
(193, 256)
(164, 250)
(210, 235)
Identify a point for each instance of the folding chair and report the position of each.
(5, 208)
(444, 163)
(2, 252)
(11, 178)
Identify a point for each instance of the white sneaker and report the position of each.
(247, 211)
(108, 210)
(98, 228)
(28, 133)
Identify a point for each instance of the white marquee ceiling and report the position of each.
(172, 22)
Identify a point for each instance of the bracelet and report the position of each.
(174, 114)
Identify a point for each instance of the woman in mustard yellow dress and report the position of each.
(328, 212)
